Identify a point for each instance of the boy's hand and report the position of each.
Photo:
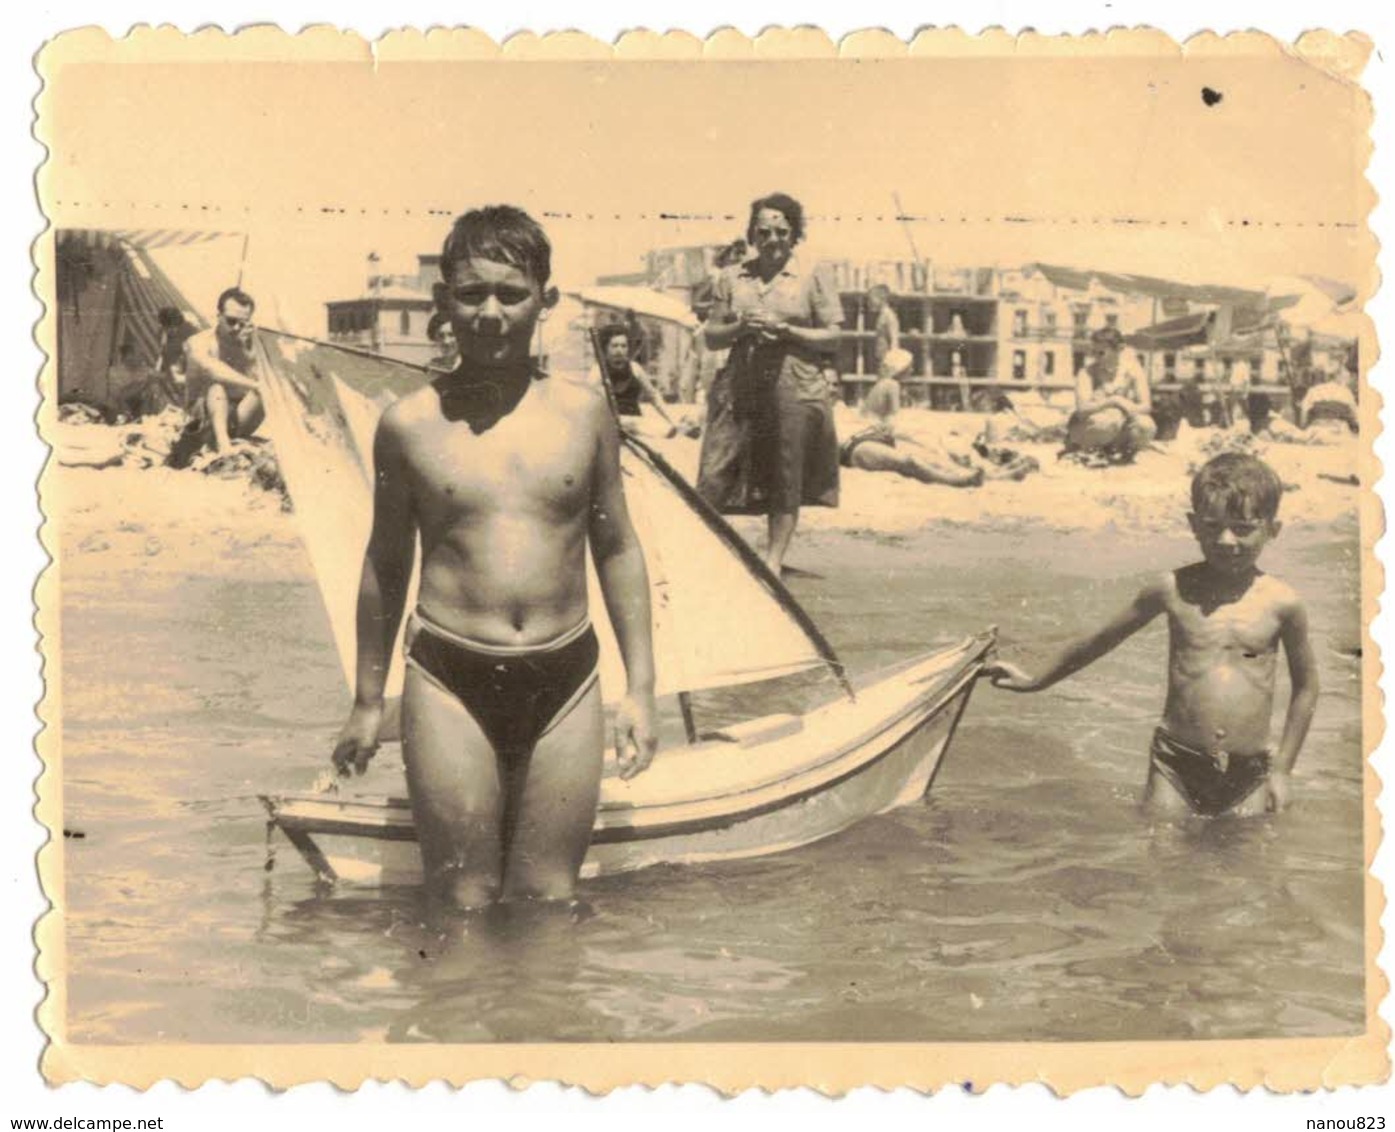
(636, 736)
(358, 741)
(1276, 792)
(1008, 676)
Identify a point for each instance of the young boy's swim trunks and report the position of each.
(1211, 784)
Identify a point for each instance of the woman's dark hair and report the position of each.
(435, 325)
(606, 334)
(783, 203)
(170, 318)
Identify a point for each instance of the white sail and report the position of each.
(716, 621)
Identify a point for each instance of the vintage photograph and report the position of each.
(559, 551)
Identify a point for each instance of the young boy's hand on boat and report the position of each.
(636, 734)
(1008, 677)
(358, 741)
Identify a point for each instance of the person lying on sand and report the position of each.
(507, 477)
(1226, 620)
(875, 448)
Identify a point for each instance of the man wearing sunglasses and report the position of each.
(221, 391)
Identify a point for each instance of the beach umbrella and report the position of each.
(1314, 304)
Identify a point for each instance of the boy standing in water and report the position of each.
(506, 476)
(1226, 619)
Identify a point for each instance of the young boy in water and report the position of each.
(1226, 620)
(507, 476)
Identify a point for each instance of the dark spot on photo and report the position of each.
(1210, 97)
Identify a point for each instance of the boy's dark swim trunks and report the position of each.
(516, 695)
(1210, 784)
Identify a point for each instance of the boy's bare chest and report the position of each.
(1248, 625)
(523, 466)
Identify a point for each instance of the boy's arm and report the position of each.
(1151, 601)
(624, 583)
(1303, 678)
(382, 596)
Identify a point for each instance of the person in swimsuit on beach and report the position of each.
(1112, 421)
(222, 391)
(507, 476)
(874, 448)
(1226, 621)
(629, 383)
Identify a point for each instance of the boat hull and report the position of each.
(763, 788)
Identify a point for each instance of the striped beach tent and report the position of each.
(109, 289)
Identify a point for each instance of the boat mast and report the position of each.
(719, 526)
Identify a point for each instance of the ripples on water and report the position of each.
(1028, 900)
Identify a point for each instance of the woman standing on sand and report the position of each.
(769, 446)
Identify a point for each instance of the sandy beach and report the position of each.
(156, 518)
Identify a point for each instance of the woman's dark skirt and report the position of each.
(767, 454)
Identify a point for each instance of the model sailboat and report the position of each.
(721, 619)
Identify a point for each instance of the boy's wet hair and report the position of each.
(503, 234)
(608, 333)
(787, 206)
(1237, 485)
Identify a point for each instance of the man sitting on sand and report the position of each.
(221, 387)
(507, 476)
(1226, 620)
(629, 383)
(1111, 422)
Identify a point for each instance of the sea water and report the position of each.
(1028, 898)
